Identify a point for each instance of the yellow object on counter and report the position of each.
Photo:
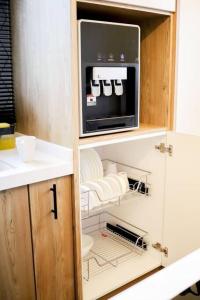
(4, 125)
(7, 141)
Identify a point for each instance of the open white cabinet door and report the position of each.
(182, 202)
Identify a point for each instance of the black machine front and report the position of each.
(109, 77)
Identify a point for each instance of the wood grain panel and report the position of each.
(42, 69)
(172, 74)
(75, 178)
(155, 71)
(53, 240)
(16, 261)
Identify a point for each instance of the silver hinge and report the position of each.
(163, 148)
(160, 248)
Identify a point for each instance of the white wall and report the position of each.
(188, 67)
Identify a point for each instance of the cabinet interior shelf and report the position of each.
(145, 131)
(157, 58)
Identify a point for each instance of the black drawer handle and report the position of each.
(54, 211)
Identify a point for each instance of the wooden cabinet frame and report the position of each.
(156, 27)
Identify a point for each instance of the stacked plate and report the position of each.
(91, 167)
(95, 188)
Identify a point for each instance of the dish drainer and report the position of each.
(138, 184)
(110, 249)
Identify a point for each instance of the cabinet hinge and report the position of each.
(163, 148)
(160, 248)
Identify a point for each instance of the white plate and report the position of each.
(91, 167)
(110, 168)
(84, 197)
(84, 167)
(107, 189)
(125, 178)
(122, 180)
(93, 197)
(115, 185)
(97, 163)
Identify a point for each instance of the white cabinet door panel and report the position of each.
(188, 67)
(145, 212)
(162, 284)
(182, 202)
(167, 5)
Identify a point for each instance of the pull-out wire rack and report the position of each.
(110, 249)
(138, 185)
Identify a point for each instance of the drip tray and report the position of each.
(110, 123)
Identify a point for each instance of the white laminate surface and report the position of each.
(125, 139)
(167, 283)
(188, 66)
(113, 278)
(166, 5)
(50, 161)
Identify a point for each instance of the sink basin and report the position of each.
(4, 166)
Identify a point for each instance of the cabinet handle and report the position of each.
(54, 211)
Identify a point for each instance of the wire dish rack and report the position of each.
(138, 185)
(110, 249)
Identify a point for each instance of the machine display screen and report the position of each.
(109, 42)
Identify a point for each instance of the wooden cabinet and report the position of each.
(156, 115)
(16, 262)
(42, 60)
(168, 5)
(52, 239)
(36, 245)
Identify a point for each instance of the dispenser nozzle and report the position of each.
(95, 88)
(107, 87)
(118, 85)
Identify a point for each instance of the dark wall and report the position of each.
(7, 107)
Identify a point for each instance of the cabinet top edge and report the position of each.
(128, 7)
(142, 133)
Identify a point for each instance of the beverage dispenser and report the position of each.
(109, 66)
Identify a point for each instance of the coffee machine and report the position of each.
(109, 68)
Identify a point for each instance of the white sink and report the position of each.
(4, 166)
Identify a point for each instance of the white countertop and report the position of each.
(51, 161)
